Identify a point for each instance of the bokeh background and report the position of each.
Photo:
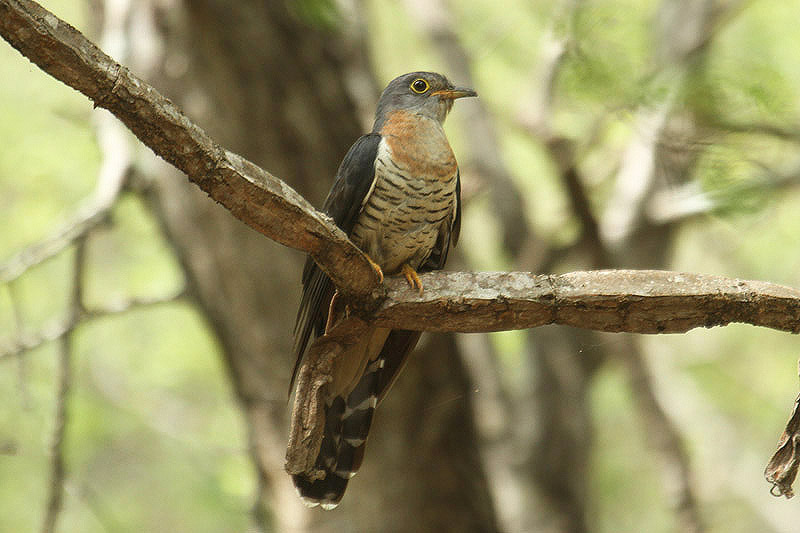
(608, 134)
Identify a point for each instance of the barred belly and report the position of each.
(406, 209)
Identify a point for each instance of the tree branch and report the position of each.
(635, 301)
(84, 220)
(93, 212)
(55, 497)
(60, 328)
(254, 196)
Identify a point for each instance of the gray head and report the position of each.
(424, 93)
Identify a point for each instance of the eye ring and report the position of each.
(420, 86)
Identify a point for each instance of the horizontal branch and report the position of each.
(634, 301)
(254, 196)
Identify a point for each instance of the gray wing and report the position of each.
(353, 181)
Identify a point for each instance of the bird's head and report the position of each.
(425, 93)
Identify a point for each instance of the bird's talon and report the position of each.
(376, 268)
(412, 278)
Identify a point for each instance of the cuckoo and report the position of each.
(397, 196)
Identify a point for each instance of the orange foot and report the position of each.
(375, 267)
(412, 278)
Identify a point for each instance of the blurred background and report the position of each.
(145, 334)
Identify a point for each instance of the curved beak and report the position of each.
(457, 92)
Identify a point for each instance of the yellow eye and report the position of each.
(419, 86)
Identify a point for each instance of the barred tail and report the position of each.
(344, 439)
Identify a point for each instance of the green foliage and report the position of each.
(319, 13)
(609, 61)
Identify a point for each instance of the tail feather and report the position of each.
(326, 492)
(347, 422)
(396, 350)
(343, 444)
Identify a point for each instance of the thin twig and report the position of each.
(84, 220)
(55, 498)
(783, 132)
(22, 363)
(63, 327)
(562, 153)
(95, 210)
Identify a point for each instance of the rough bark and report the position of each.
(634, 301)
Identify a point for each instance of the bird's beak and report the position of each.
(457, 92)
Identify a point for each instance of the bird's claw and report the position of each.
(412, 278)
(375, 267)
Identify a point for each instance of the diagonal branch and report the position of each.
(84, 220)
(254, 196)
(664, 437)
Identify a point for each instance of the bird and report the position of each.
(397, 197)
